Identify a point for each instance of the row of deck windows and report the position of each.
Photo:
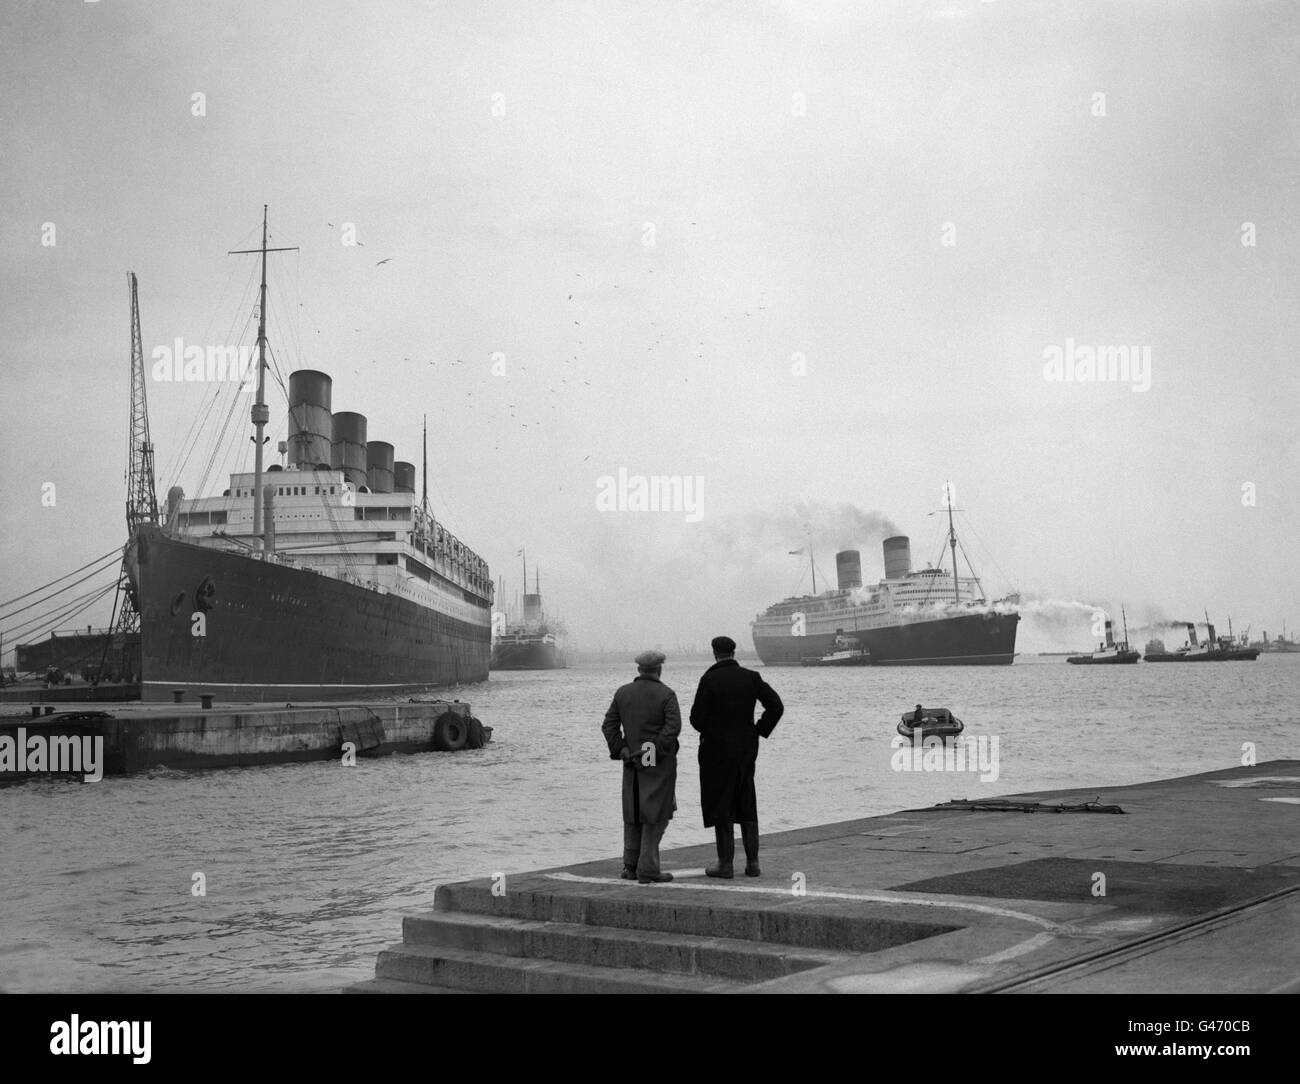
(286, 491)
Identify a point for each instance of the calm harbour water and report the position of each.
(310, 867)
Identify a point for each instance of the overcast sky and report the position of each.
(815, 254)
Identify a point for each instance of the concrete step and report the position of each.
(734, 916)
(395, 986)
(465, 969)
(605, 946)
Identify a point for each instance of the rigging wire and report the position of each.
(987, 556)
(235, 396)
(104, 566)
(98, 560)
(67, 615)
(44, 620)
(172, 472)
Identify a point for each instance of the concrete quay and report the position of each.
(1194, 888)
(137, 737)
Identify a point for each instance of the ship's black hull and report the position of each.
(274, 632)
(1122, 659)
(527, 657)
(966, 640)
(1212, 656)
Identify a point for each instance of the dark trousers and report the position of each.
(641, 847)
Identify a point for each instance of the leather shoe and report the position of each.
(720, 869)
(628, 874)
(658, 878)
(752, 870)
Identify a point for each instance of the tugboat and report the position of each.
(846, 651)
(1214, 649)
(1191, 651)
(1110, 652)
(934, 723)
(1237, 650)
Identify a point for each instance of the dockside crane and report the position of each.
(141, 495)
(141, 505)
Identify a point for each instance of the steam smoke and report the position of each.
(828, 527)
(685, 583)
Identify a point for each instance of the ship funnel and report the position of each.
(403, 477)
(348, 448)
(532, 610)
(174, 497)
(1211, 639)
(379, 466)
(1191, 633)
(1110, 633)
(898, 557)
(848, 569)
(311, 429)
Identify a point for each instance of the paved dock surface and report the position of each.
(1195, 887)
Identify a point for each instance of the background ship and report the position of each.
(1282, 644)
(909, 618)
(322, 577)
(533, 643)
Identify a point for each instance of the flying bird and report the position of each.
(388, 259)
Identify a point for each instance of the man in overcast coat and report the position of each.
(723, 713)
(641, 729)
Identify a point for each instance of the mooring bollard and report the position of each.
(36, 710)
(206, 700)
(49, 711)
(178, 695)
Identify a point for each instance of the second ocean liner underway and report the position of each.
(923, 618)
(322, 577)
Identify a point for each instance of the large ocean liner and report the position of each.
(337, 582)
(921, 618)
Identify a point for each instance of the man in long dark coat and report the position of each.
(641, 729)
(723, 713)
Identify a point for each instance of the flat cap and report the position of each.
(650, 659)
(724, 645)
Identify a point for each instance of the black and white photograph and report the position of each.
(582, 497)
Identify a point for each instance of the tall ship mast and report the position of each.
(909, 618)
(322, 577)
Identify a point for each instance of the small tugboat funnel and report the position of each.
(1191, 633)
(848, 569)
(1110, 633)
(898, 557)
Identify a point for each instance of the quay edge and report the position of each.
(1201, 894)
(139, 737)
